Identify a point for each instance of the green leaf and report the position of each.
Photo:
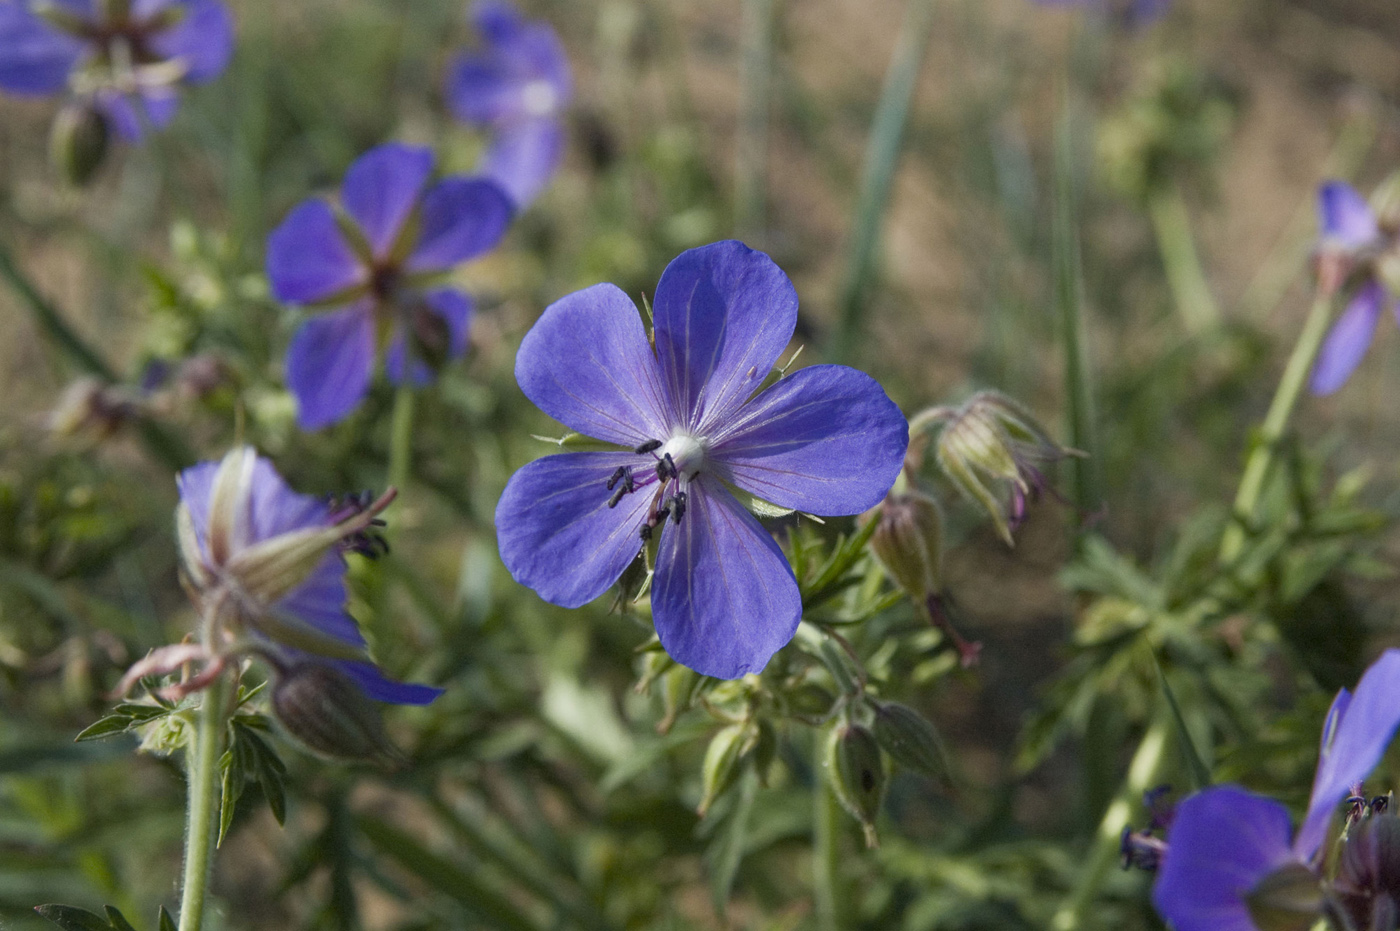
(70, 918)
(726, 851)
(117, 919)
(166, 922)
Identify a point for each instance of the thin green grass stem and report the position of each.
(202, 766)
(751, 149)
(1143, 773)
(826, 853)
(881, 155)
(1069, 300)
(1177, 244)
(401, 438)
(1261, 454)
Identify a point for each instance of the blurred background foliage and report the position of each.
(549, 789)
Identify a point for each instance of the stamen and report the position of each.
(617, 495)
(617, 476)
(678, 504)
(645, 532)
(661, 515)
(666, 468)
(650, 446)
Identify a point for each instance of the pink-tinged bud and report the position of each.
(323, 709)
(78, 142)
(908, 542)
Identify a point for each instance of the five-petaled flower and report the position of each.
(1230, 857)
(825, 439)
(127, 56)
(376, 262)
(1350, 238)
(517, 85)
(265, 568)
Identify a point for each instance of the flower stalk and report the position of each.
(401, 438)
(202, 767)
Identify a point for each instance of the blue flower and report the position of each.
(127, 57)
(688, 427)
(1229, 846)
(517, 85)
(375, 262)
(1136, 12)
(1349, 231)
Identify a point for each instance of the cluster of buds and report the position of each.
(994, 452)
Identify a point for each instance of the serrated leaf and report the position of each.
(105, 727)
(166, 923)
(71, 918)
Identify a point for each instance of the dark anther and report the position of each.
(650, 446)
(617, 477)
(661, 515)
(617, 495)
(666, 468)
(678, 506)
(1355, 807)
(645, 532)
(1139, 849)
(1380, 804)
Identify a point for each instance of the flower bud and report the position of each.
(1288, 899)
(910, 740)
(722, 762)
(908, 542)
(78, 142)
(92, 410)
(1368, 875)
(323, 709)
(857, 773)
(1385, 201)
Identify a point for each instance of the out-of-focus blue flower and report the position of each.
(266, 567)
(516, 85)
(375, 262)
(825, 440)
(1136, 12)
(1229, 849)
(128, 57)
(1349, 230)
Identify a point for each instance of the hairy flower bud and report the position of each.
(323, 709)
(1288, 899)
(909, 739)
(92, 410)
(908, 542)
(857, 773)
(722, 761)
(1368, 876)
(78, 141)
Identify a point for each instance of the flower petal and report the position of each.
(481, 90)
(320, 600)
(329, 364)
(1360, 728)
(454, 309)
(273, 507)
(587, 363)
(723, 314)
(826, 439)
(132, 115)
(202, 39)
(1349, 339)
(381, 189)
(376, 685)
(461, 219)
(1223, 841)
(1344, 217)
(35, 58)
(557, 534)
(308, 258)
(523, 156)
(724, 598)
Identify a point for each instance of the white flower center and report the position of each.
(687, 453)
(538, 98)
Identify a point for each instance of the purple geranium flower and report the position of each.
(1228, 845)
(825, 439)
(376, 262)
(128, 57)
(1136, 12)
(1350, 234)
(517, 85)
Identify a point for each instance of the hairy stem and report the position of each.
(1261, 455)
(202, 764)
(401, 438)
(826, 853)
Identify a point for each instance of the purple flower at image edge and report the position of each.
(1348, 228)
(1225, 841)
(1137, 12)
(379, 288)
(517, 85)
(67, 45)
(825, 439)
(265, 510)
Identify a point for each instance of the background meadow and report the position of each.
(953, 186)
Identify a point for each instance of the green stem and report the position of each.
(401, 438)
(1069, 296)
(1261, 455)
(202, 762)
(826, 854)
(1142, 775)
(881, 154)
(751, 149)
(1177, 244)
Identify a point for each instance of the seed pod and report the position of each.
(78, 142)
(322, 708)
(908, 542)
(857, 773)
(910, 740)
(722, 759)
